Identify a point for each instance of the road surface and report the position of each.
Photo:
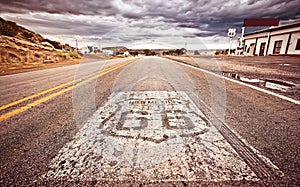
(148, 120)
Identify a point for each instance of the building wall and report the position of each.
(288, 30)
(259, 41)
(275, 36)
(273, 39)
(293, 42)
(248, 43)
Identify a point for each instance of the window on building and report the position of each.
(277, 47)
(298, 44)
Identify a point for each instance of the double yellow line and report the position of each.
(59, 90)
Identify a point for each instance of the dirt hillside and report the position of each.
(21, 48)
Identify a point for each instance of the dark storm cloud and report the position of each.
(58, 24)
(209, 17)
(218, 17)
(57, 6)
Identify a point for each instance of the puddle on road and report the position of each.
(279, 85)
(284, 64)
(271, 84)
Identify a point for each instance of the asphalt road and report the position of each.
(150, 121)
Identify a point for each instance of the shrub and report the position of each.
(68, 55)
(62, 55)
(28, 35)
(74, 55)
(8, 28)
(55, 44)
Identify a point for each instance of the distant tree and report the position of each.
(178, 52)
(172, 52)
(133, 53)
(55, 44)
(217, 52)
(90, 48)
(221, 52)
(196, 52)
(225, 52)
(183, 50)
(28, 35)
(148, 52)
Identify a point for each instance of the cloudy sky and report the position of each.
(196, 24)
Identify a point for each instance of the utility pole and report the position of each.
(230, 43)
(243, 32)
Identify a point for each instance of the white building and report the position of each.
(279, 40)
(108, 52)
(84, 50)
(126, 53)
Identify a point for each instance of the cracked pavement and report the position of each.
(162, 137)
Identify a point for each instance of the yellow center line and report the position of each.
(51, 89)
(60, 92)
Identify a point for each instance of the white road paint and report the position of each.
(150, 135)
(297, 102)
(275, 86)
(244, 79)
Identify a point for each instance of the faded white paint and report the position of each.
(151, 135)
